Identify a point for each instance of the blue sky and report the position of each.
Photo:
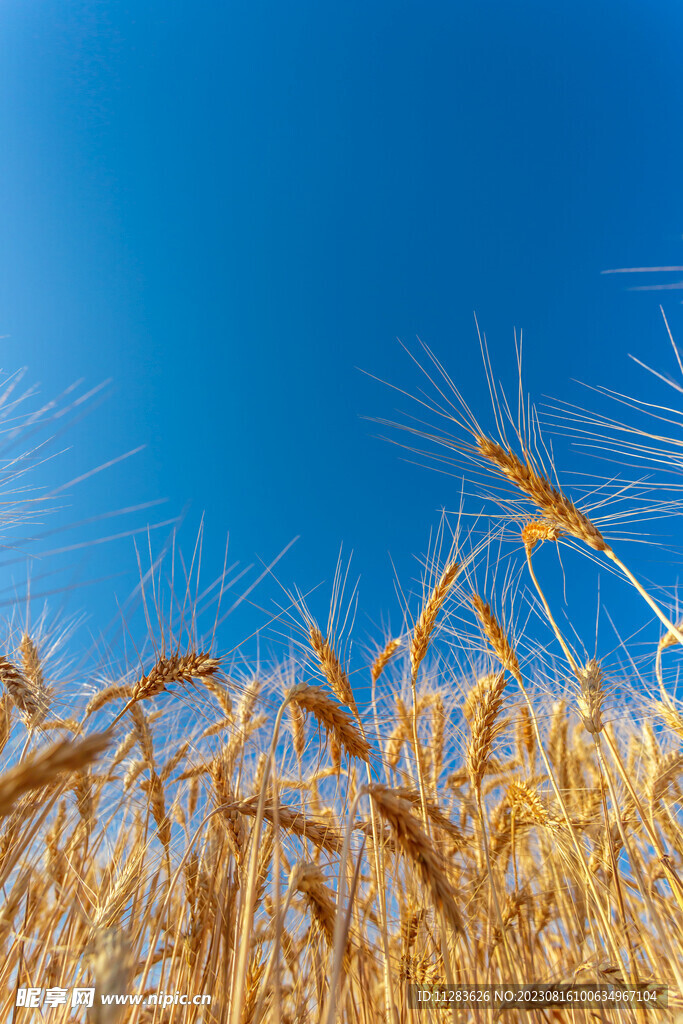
(232, 210)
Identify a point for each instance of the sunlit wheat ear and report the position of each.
(106, 696)
(324, 836)
(525, 735)
(297, 721)
(671, 715)
(155, 790)
(334, 719)
(225, 798)
(254, 980)
(37, 770)
(496, 636)
(667, 770)
(5, 720)
(514, 903)
(33, 673)
(122, 882)
(410, 924)
(591, 696)
(309, 880)
(220, 692)
(561, 513)
(522, 795)
(439, 718)
(557, 508)
(436, 815)
(143, 735)
(383, 659)
(421, 970)
(178, 668)
(476, 693)
(485, 728)
(418, 847)
(332, 668)
(20, 691)
(538, 530)
(425, 624)
(13, 901)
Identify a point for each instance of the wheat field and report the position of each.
(469, 802)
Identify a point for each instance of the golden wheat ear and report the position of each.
(419, 848)
(560, 512)
(334, 719)
(38, 770)
(383, 658)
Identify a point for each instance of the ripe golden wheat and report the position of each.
(472, 818)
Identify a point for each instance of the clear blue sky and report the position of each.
(230, 208)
